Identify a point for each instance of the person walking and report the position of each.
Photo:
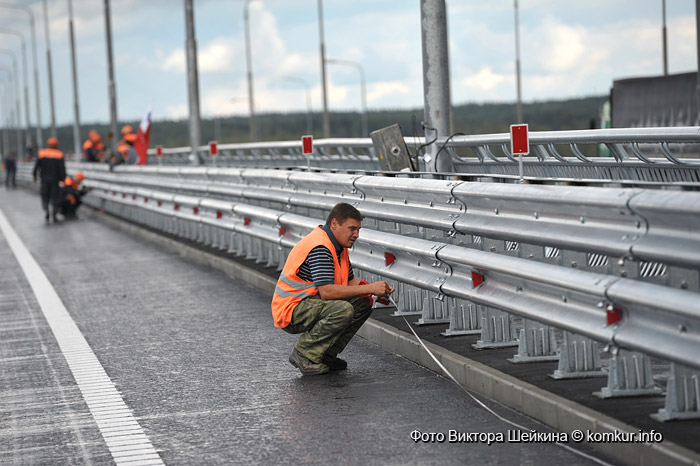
(50, 166)
(10, 170)
(318, 295)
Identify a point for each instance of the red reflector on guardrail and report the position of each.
(614, 315)
(477, 279)
(123, 195)
(389, 258)
(160, 203)
(219, 215)
(195, 210)
(283, 231)
(133, 197)
(246, 221)
(145, 199)
(176, 207)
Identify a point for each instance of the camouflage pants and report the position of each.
(327, 326)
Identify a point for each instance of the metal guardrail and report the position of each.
(643, 155)
(424, 239)
(616, 230)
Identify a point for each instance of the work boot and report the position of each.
(305, 365)
(334, 363)
(46, 217)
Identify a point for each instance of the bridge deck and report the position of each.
(195, 357)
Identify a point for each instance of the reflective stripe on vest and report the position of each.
(50, 153)
(291, 289)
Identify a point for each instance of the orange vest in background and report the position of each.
(291, 289)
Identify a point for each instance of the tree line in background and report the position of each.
(467, 118)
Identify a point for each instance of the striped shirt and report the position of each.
(318, 266)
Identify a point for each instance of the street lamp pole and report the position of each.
(74, 66)
(517, 65)
(664, 40)
(26, 81)
(18, 116)
(50, 69)
(192, 83)
(29, 12)
(111, 84)
(309, 114)
(14, 115)
(436, 81)
(324, 85)
(249, 64)
(363, 89)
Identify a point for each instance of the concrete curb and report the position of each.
(548, 408)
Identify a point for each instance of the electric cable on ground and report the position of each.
(480, 403)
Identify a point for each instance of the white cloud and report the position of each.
(217, 55)
(176, 112)
(376, 92)
(175, 61)
(558, 47)
(485, 79)
(224, 101)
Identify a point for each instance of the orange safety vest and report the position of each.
(50, 153)
(291, 289)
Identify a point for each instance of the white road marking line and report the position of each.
(93, 382)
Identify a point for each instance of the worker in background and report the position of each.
(50, 167)
(10, 170)
(126, 149)
(93, 147)
(318, 295)
(71, 193)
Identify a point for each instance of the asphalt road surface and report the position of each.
(196, 359)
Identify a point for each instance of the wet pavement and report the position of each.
(196, 358)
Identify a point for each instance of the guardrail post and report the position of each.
(537, 343)
(682, 395)
(497, 330)
(629, 375)
(465, 318)
(579, 358)
(409, 301)
(435, 309)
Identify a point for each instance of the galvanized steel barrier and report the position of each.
(516, 264)
(643, 155)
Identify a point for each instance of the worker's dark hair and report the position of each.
(343, 211)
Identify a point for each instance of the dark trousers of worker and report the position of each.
(10, 177)
(327, 326)
(49, 192)
(67, 209)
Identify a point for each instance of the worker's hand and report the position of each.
(381, 288)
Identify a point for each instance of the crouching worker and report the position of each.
(68, 199)
(318, 295)
(71, 194)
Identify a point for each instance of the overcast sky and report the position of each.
(569, 49)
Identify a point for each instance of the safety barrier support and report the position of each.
(629, 374)
(579, 358)
(497, 330)
(465, 318)
(682, 395)
(537, 343)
